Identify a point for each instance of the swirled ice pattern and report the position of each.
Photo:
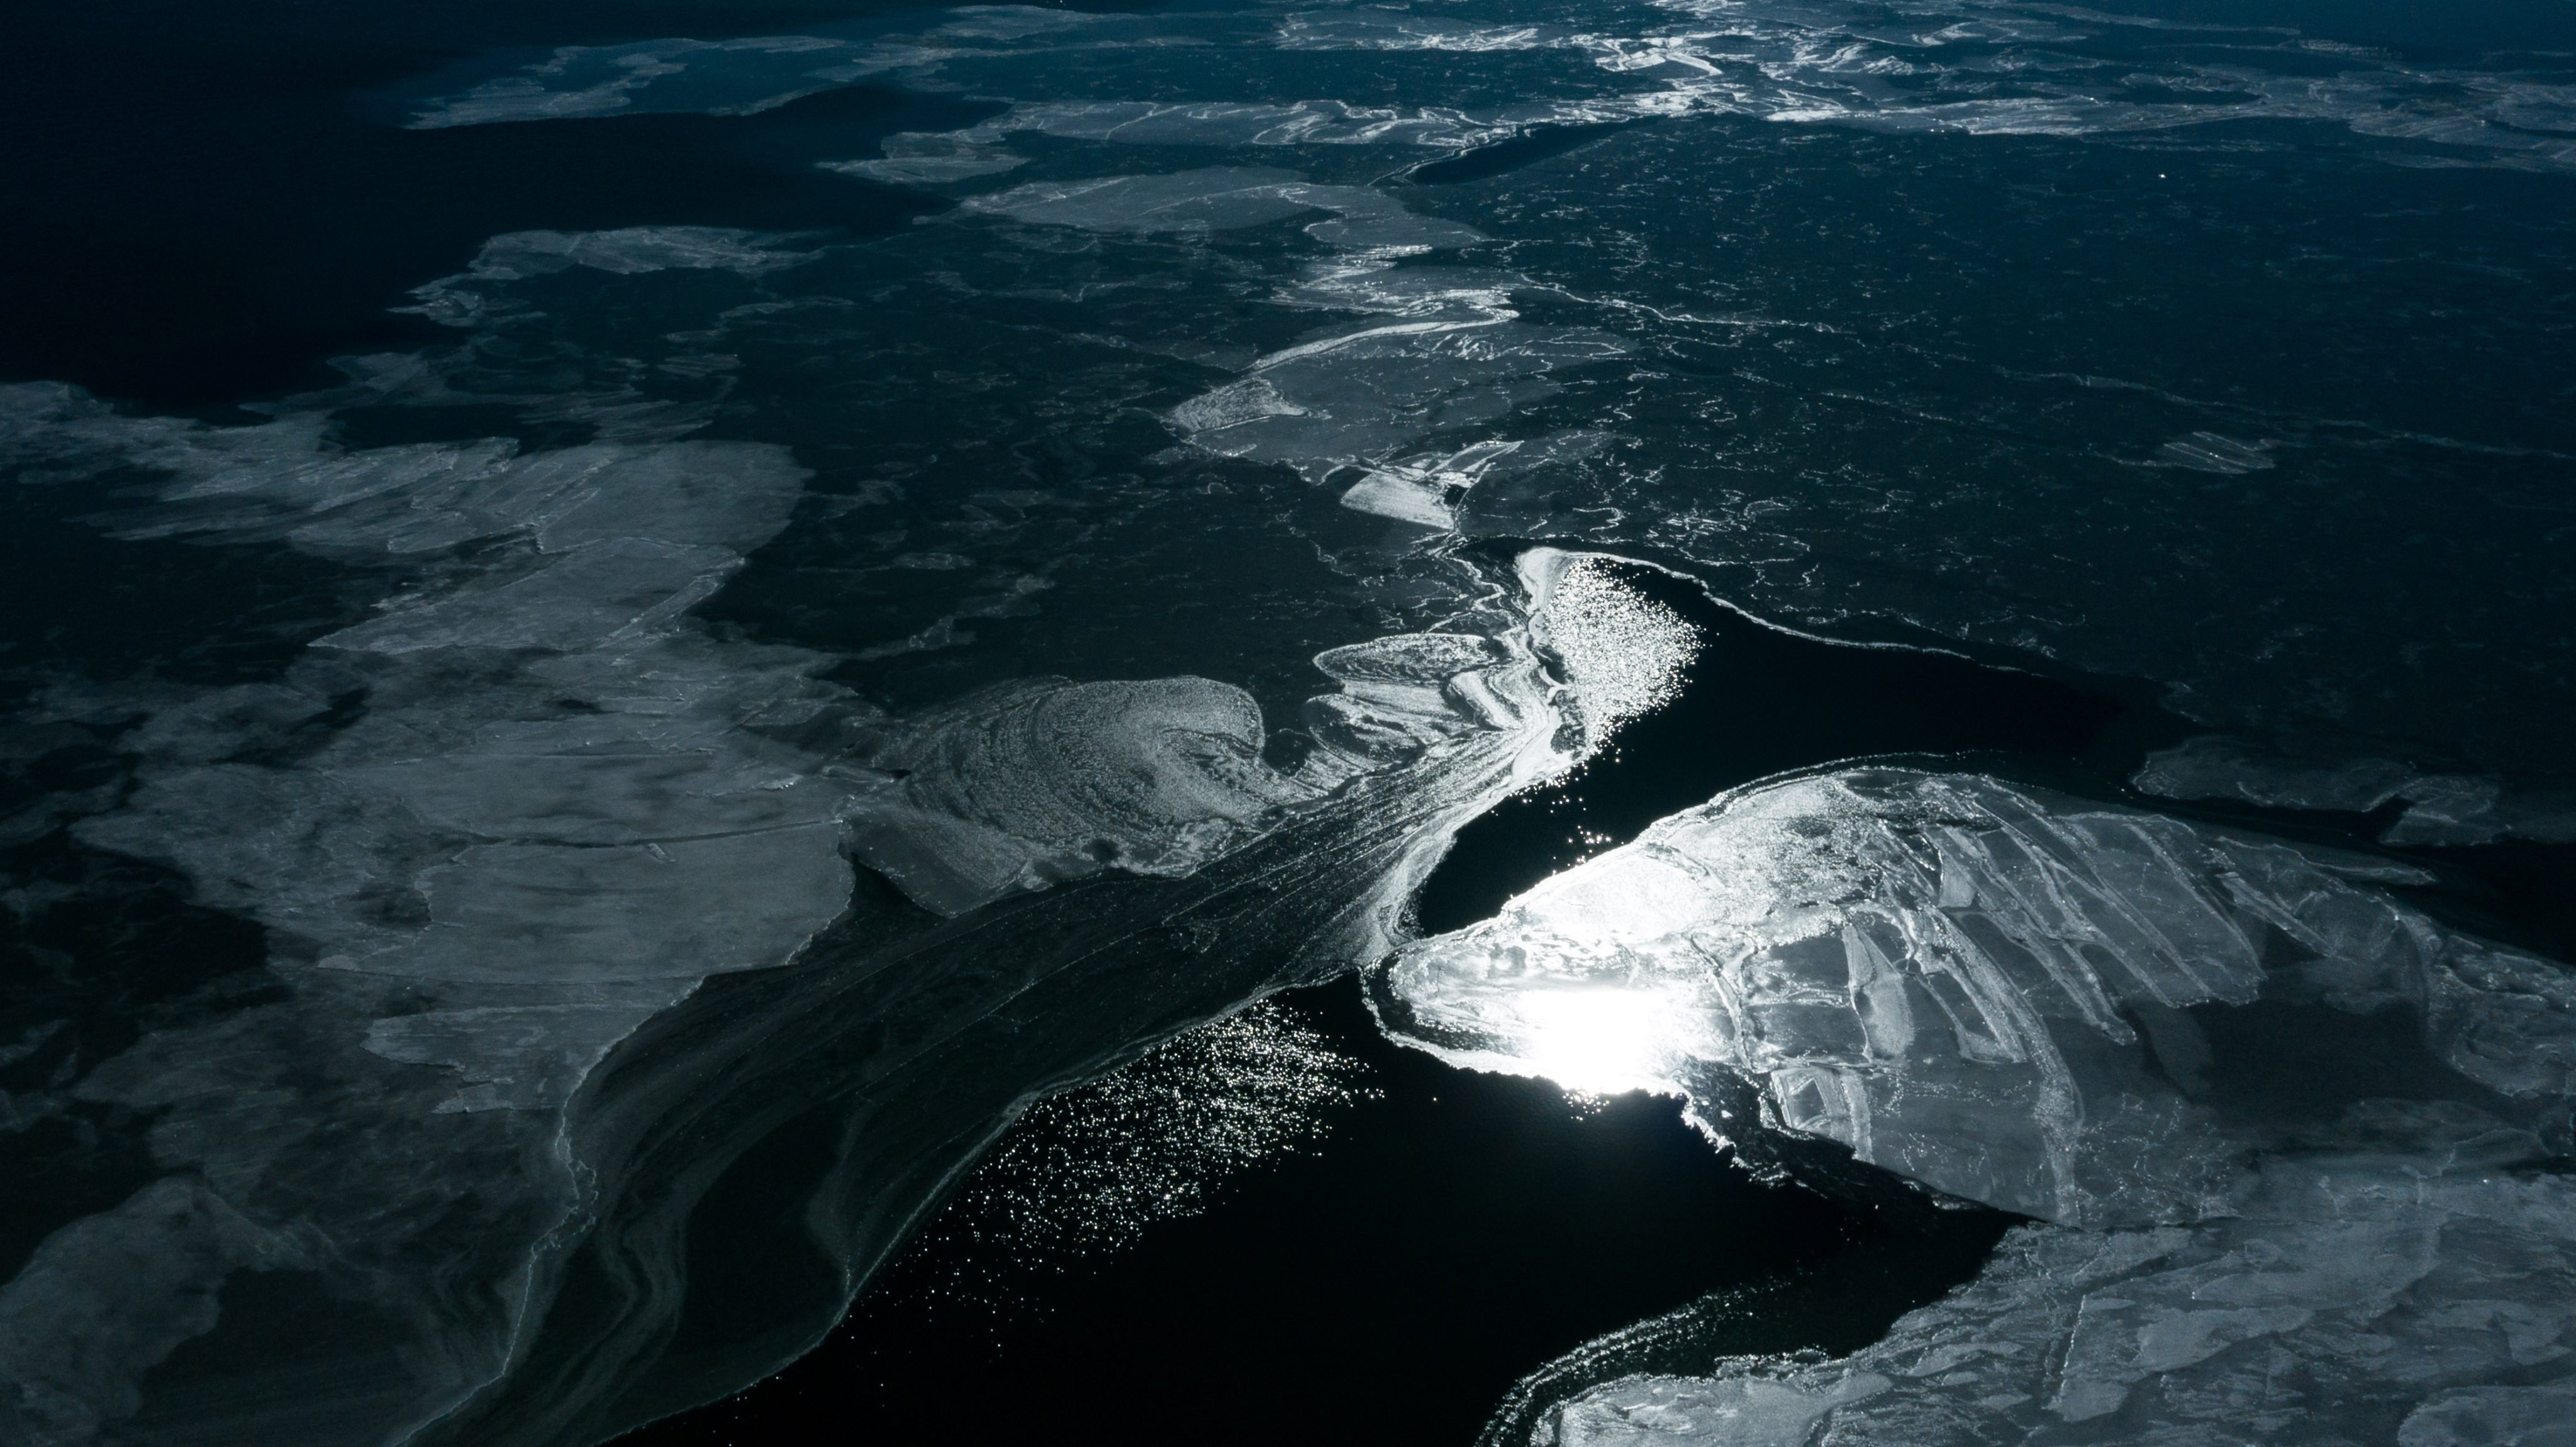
(2021, 999)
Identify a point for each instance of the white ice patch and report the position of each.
(916, 158)
(1420, 490)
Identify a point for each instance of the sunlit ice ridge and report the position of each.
(782, 594)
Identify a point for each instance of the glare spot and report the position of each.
(1598, 1041)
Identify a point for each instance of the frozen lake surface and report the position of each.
(671, 667)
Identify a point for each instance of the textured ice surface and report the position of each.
(1358, 398)
(913, 158)
(499, 828)
(2439, 808)
(1977, 987)
(2025, 1000)
(1624, 655)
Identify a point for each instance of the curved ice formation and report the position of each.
(1045, 780)
(1452, 357)
(2027, 1001)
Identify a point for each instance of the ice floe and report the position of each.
(2024, 1000)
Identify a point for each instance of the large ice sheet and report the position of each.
(1976, 986)
(1224, 198)
(2025, 1000)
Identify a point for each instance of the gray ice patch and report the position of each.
(1224, 198)
(1360, 396)
(2362, 1294)
(2442, 809)
(914, 158)
(717, 77)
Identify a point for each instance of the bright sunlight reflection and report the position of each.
(1598, 1041)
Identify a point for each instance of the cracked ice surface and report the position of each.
(2024, 1000)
